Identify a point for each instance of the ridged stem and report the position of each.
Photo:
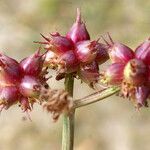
(68, 120)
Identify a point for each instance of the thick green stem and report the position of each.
(68, 120)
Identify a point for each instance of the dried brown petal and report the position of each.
(58, 102)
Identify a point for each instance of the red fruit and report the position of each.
(58, 44)
(114, 73)
(102, 54)
(86, 51)
(8, 96)
(78, 31)
(118, 52)
(89, 73)
(30, 87)
(33, 64)
(142, 52)
(69, 62)
(10, 70)
(136, 72)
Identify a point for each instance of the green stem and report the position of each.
(97, 96)
(68, 120)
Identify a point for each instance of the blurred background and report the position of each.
(112, 124)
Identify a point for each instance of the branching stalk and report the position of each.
(97, 96)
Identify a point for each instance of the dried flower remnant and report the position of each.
(58, 102)
(68, 54)
(130, 71)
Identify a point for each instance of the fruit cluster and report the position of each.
(21, 82)
(75, 53)
(130, 70)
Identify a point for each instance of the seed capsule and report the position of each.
(69, 62)
(86, 51)
(118, 52)
(102, 54)
(9, 70)
(78, 31)
(33, 64)
(8, 96)
(114, 73)
(136, 72)
(30, 87)
(143, 52)
(57, 43)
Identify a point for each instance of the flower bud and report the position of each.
(58, 44)
(102, 55)
(8, 96)
(86, 51)
(78, 31)
(57, 102)
(9, 70)
(33, 64)
(114, 73)
(89, 73)
(30, 87)
(136, 72)
(142, 52)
